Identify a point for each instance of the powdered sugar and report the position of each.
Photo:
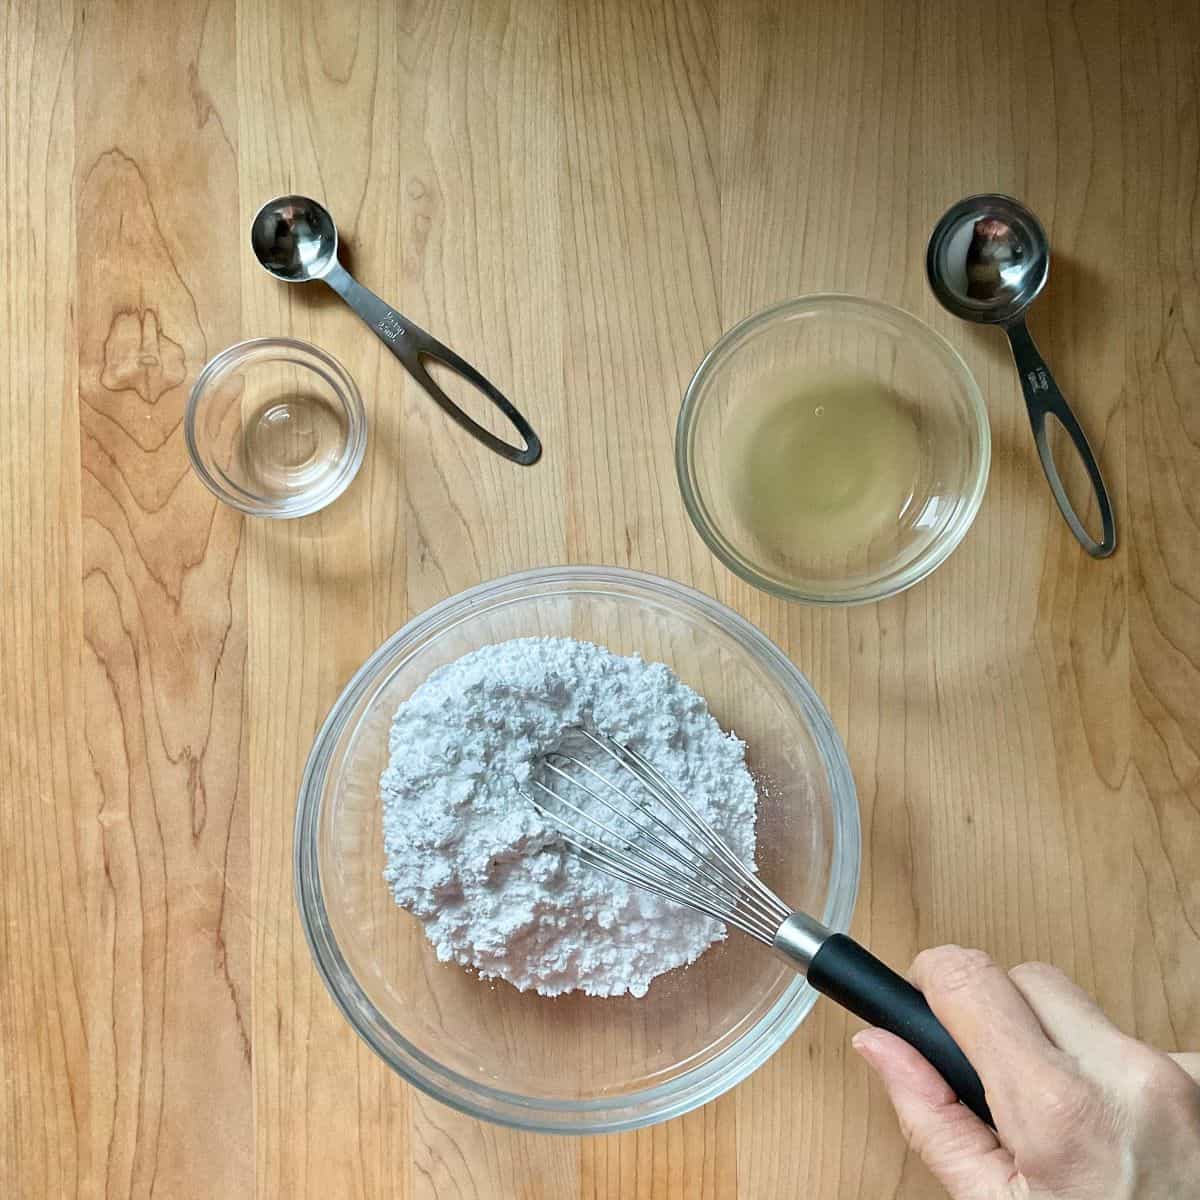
(490, 879)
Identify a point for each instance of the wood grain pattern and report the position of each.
(48, 800)
(580, 197)
(168, 1001)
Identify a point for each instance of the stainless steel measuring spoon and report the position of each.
(295, 239)
(988, 259)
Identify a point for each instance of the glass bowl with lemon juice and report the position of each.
(832, 449)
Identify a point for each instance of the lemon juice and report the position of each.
(821, 465)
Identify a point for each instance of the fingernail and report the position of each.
(864, 1041)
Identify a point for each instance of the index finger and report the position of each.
(989, 1018)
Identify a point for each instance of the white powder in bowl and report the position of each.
(484, 871)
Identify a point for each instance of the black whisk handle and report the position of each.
(844, 971)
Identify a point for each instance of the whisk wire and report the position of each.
(709, 876)
(621, 866)
(674, 801)
(671, 864)
(702, 869)
(665, 872)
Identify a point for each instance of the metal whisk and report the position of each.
(642, 830)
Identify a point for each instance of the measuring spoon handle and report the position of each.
(1042, 399)
(412, 346)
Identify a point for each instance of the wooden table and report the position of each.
(580, 197)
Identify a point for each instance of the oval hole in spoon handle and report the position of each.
(1043, 399)
(412, 345)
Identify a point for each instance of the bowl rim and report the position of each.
(692, 1087)
(339, 380)
(879, 587)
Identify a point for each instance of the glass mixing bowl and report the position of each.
(574, 1063)
(890, 500)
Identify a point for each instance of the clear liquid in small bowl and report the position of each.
(292, 443)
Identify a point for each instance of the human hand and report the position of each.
(1082, 1111)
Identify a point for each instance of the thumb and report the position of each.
(960, 1150)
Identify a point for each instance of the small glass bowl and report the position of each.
(275, 427)
(842, 346)
(574, 1063)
